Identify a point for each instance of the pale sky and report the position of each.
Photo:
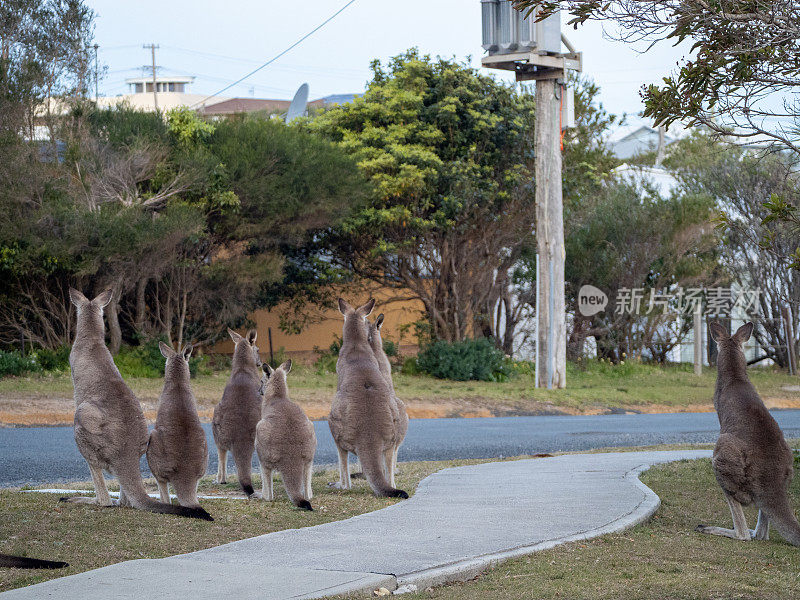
(218, 42)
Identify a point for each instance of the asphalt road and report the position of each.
(39, 455)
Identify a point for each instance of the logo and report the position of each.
(591, 300)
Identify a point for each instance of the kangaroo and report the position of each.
(752, 461)
(363, 413)
(110, 429)
(236, 416)
(285, 440)
(401, 425)
(23, 562)
(178, 451)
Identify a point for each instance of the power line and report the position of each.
(277, 56)
(285, 67)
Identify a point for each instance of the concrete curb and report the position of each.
(469, 569)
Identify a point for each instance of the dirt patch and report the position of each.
(38, 411)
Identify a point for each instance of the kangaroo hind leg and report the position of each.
(739, 531)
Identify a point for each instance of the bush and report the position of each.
(15, 363)
(326, 363)
(52, 360)
(476, 359)
(390, 348)
(410, 366)
(146, 360)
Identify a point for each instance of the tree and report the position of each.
(755, 246)
(632, 237)
(449, 155)
(743, 55)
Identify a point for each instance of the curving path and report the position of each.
(459, 521)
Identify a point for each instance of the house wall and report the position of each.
(327, 327)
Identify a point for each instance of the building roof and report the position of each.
(244, 105)
(161, 79)
(658, 177)
(166, 100)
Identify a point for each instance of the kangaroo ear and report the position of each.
(379, 322)
(77, 298)
(187, 351)
(166, 350)
(366, 309)
(743, 333)
(103, 298)
(287, 366)
(267, 369)
(234, 336)
(344, 307)
(251, 336)
(718, 332)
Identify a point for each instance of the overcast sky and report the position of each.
(218, 42)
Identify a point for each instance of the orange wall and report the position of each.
(328, 324)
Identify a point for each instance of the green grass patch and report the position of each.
(89, 537)
(591, 387)
(663, 558)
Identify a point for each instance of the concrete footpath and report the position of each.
(459, 522)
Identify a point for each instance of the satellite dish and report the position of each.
(298, 106)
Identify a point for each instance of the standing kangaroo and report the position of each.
(110, 429)
(401, 425)
(285, 440)
(236, 416)
(363, 413)
(178, 451)
(752, 461)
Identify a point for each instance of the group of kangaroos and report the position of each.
(752, 461)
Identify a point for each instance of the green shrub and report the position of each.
(476, 359)
(390, 348)
(52, 360)
(15, 363)
(326, 363)
(146, 360)
(410, 366)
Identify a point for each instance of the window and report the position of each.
(138, 88)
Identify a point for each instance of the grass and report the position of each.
(663, 558)
(593, 388)
(89, 537)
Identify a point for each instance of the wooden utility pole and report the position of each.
(551, 329)
(531, 48)
(153, 48)
(698, 341)
(96, 74)
(791, 351)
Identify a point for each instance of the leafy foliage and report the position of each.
(448, 153)
(476, 359)
(742, 55)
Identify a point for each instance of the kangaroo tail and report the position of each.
(137, 495)
(781, 515)
(371, 461)
(22, 562)
(294, 483)
(243, 459)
